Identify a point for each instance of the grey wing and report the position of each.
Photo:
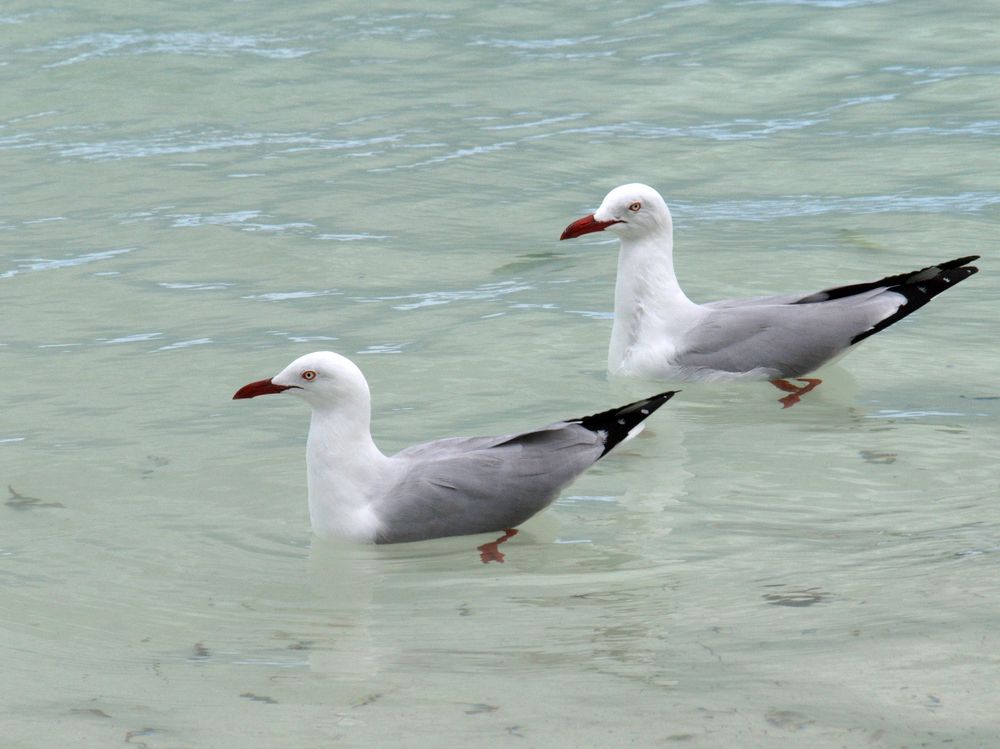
(865, 292)
(755, 301)
(791, 335)
(464, 486)
(781, 340)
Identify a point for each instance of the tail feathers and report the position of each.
(618, 423)
(899, 282)
(920, 287)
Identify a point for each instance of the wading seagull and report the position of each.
(659, 333)
(449, 487)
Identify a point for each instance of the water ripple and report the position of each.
(16, 19)
(458, 154)
(302, 338)
(660, 10)
(917, 414)
(282, 296)
(740, 128)
(983, 127)
(185, 344)
(935, 75)
(819, 3)
(533, 44)
(187, 141)
(197, 285)
(236, 218)
(384, 348)
(133, 338)
(388, 24)
(536, 123)
(351, 237)
(243, 220)
(38, 264)
(815, 205)
(197, 43)
(434, 298)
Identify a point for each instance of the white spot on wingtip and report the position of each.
(634, 431)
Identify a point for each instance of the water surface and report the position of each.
(194, 196)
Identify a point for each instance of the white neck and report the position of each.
(650, 307)
(346, 472)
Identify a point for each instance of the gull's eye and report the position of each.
(634, 207)
(309, 375)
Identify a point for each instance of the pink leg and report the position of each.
(796, 391)
(490, 553)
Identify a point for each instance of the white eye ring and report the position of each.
(634, 207)
(309, 375)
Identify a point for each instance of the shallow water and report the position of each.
(194, 196)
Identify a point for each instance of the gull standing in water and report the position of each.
(449, 487)
(659, 333)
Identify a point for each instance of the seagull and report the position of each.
(660, 334)
(449, 487)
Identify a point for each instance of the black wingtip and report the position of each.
(896, 282)
(616, 423)
(958, 262)
(922, 286)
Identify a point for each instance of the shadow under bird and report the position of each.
(448, 487)
(659, 333)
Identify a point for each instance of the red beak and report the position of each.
(586, 225)
(261, 387)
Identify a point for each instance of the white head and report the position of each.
(633, 211)
(323, 379)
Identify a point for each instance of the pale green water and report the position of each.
(193, 196)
